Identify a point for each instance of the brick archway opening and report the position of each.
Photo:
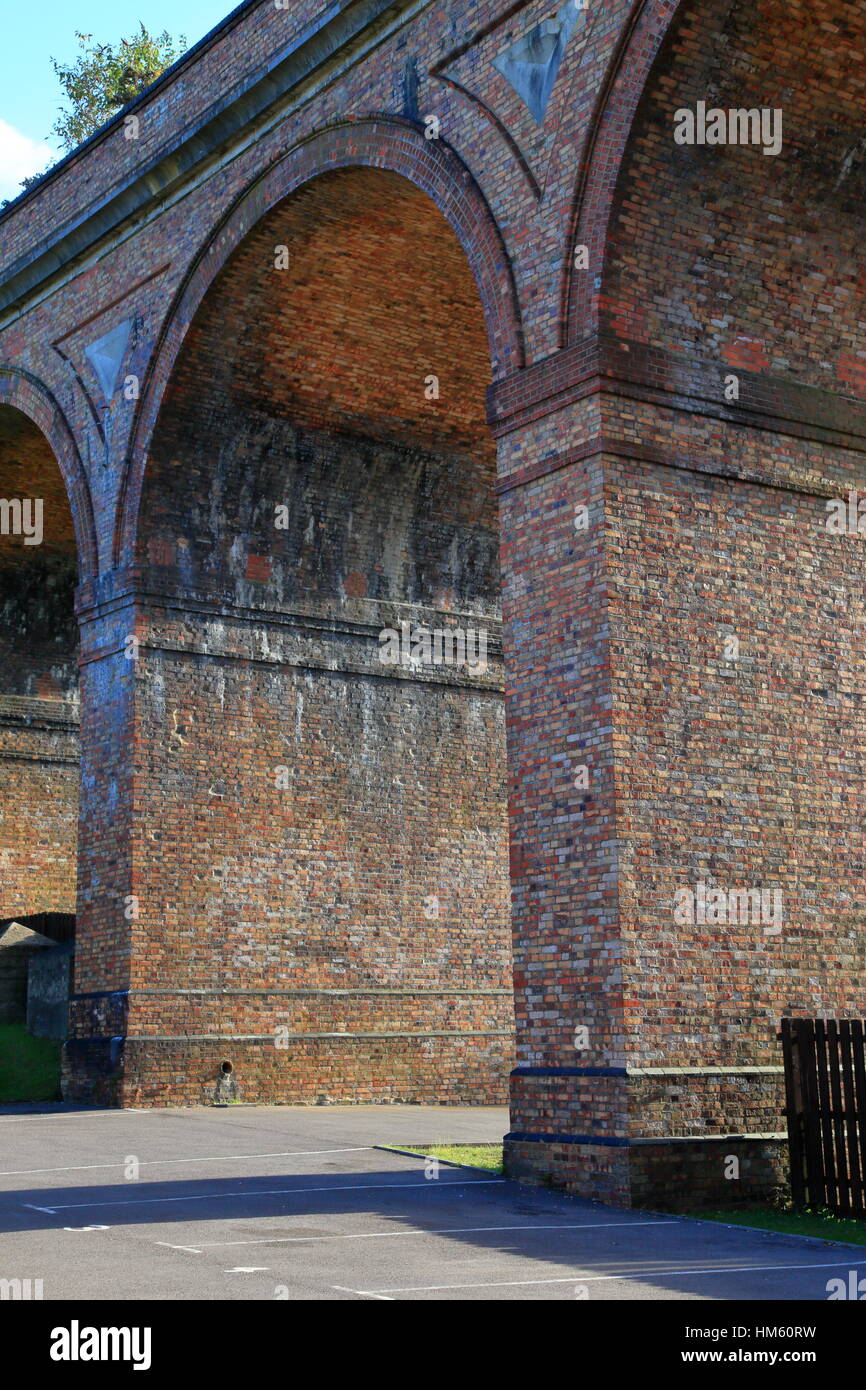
(322, 867)
(38, 676)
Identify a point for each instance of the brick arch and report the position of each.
(763, 268)
(26, 393)
(398, 146)
(605, 149)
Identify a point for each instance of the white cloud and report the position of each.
(19, 157)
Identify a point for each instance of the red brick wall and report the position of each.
(38, 633)
(729, 767)
(735, 772)
(255, 648)
(763, 266)
(537, 238)
(377, 295)
(320, 840)
(38, 684)
(38, 807)
(731, 770)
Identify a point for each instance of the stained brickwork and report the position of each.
(681, 641)
(763, 268)
(38, 677)
(734, 660)
(333, 830)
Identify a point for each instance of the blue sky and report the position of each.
(35, 31)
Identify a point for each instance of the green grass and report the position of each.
(793, 1223)
(487, 1156)
(29, 1067)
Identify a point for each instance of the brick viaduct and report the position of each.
(222, 324)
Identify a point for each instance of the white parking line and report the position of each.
(437, 1186)
(360, 1293)
(71, 1115)
(207, 1158)
(425, 1231)
(630, 1277)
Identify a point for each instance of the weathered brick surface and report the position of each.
(376, 1069)
(38, 682)
(332, 831)
(732, 771)
(38, 815)
(763, 267)
(727, 772)
(690, 1175)
(645, 519)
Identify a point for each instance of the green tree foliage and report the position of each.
(106, 77)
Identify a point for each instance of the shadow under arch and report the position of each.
(44, 553)
(605, 147)
(26, 393)
(384, 142)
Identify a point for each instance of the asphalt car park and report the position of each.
(303, 1203)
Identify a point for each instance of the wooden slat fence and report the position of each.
(825, 1089)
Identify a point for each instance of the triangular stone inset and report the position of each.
(531, 65)
(106, 355)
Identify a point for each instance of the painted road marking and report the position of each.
(382, 1297)
(431, 1231)
(632, 1276)
(206, 1158)
(71, 1115)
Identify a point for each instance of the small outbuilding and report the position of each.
(20, 945)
